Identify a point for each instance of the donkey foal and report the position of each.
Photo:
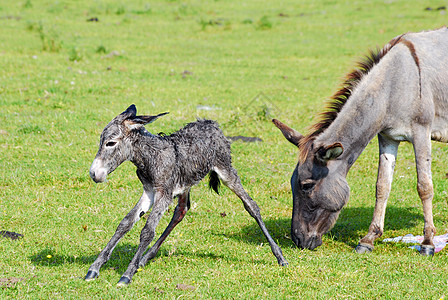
(167, 166)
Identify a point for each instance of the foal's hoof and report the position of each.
(427, 250)
(363, 248)
(124, 281)
(283, 263)
(91, 275)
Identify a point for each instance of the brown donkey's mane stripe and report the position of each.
(338, 100)
(416, 60)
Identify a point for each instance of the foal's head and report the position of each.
(319, 189)
(116, 142)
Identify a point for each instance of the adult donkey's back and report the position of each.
(399, 93)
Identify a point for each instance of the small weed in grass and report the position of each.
(27, 4)
(30, 128)
(264, 23)
(120, 10)
(49, 37)
(75, 54)
(219, 23)
(146, 10)
(101, 49)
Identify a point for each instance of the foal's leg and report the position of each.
(162, 200)
(422, 149)
(388, 153)
(145, 203)
(230, 178)
(179, 214)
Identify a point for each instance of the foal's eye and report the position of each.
(111, 144)
(308, 185)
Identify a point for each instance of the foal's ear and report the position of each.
(290, 134)
(139, 121)
(326, 153)
(131, 111)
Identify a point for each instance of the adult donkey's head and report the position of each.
(116, 142)
(319, 189)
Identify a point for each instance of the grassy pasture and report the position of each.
(68, 67)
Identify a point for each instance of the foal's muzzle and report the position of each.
(97, 172)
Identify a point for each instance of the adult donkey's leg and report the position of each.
(230, 178)
(388, 152)
(179, 214)
(422, 149)
(145, 203)
(162, 200)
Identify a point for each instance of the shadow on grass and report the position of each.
(120, 258)
(352, 224)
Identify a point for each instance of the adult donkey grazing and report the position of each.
(399, 93)
(167, 166)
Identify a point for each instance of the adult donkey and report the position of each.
(399, 93)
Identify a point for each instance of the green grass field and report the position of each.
(64, 75)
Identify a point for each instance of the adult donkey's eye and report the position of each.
(308, 185)
(111, 144)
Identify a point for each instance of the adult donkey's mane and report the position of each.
(340, 98)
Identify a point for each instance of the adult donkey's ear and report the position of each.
(290, 134)
(139, 121)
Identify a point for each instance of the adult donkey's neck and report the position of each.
(373, 106)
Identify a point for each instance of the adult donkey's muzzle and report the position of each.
(306, 241)
(312, 242)
(97, 172)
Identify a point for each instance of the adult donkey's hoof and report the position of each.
(363, 248)
(427, 250)
(124, 281)
(91, 275)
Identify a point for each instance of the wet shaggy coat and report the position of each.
(183, 158)
(167, 166)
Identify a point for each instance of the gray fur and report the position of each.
(167, 166)
(403, 96)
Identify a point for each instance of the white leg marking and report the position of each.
(145, 203)
(221, 175)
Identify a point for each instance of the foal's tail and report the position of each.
(214, 182)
